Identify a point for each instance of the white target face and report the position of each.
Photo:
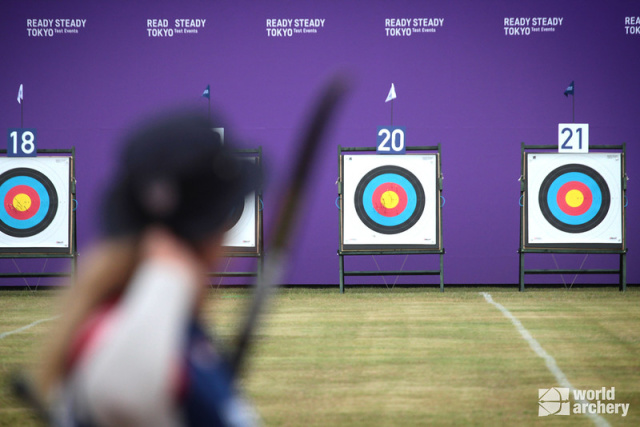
(574, 200)
(390, 202)
(243, 232)
(35, 196)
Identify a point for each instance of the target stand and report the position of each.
(38, 214)
(390, 205)
(573, 204)
(244, 236)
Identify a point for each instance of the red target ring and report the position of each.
(389, 199)
(22, 202)
(579, 193)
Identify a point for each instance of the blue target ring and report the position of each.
(568, 178)
(389, 221)
(393, 223)
(37, 184)
(574, 175)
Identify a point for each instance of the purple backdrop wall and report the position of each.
(465, 83)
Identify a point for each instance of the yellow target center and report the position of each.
(389, 199)
(21, 202)
(574, 198)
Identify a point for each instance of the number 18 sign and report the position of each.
(573, 138)
(22, 143)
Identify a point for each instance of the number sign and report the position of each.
(573, 138)
(22, 143)
(391, 140)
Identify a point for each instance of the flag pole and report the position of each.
(392, 112)
(571, 90)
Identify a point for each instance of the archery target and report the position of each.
(242, 233)
(574, 200)
(390, 202)
(35, 196)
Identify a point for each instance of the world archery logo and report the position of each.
(553, 401)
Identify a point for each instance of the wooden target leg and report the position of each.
(623, 272)
(521, 279)
(341, 273)
(441, 272)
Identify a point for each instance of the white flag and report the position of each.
(20, 97)
(392, 93)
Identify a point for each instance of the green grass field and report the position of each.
(401, 357)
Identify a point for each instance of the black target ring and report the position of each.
(235, 215)
(408, 183)
(40, 185)
(587, 178)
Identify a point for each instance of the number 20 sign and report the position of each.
(573, 138)
(391, 140)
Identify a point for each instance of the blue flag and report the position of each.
(569, 90)
(206, 92)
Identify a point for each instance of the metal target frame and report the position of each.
(392, 249)
(44, 253)
(256, 251)
(619, 248)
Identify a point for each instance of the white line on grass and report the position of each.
(24, 328)
(548, 359)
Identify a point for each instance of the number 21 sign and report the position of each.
(573, 138)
